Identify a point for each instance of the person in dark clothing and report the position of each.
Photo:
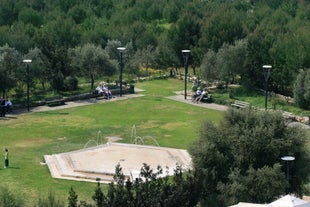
(6, 158)
(2, 107)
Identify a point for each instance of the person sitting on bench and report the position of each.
(107, 92)
(8, 105)
(2, 107)
(99, 89)
(198, 98)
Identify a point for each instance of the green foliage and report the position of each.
(244, 34)
(50, 201)
(9, 199)
(239, 159)
(99, 197)
(302, 89)
(70, 83)
(72, 199)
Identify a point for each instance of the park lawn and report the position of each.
(30, 136)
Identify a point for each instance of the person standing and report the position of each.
(6, 158)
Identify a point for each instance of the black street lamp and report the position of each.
(27, 61)
(121, 49)
(185, 58)
(288, 159)
(266, 69)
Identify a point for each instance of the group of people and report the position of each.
(103, 89)
(199, 95)
(5, 106)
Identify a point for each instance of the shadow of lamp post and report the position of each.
(121, 50)
(185, 58)
(27, 61)
(267, 70)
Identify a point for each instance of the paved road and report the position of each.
(204, 105)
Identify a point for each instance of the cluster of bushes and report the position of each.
(151, 189)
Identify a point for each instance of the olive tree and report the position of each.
(239, 159)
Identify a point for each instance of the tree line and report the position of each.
(244, 35)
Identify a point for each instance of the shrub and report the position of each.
(70, 83)
(8, 199)
(302, 89)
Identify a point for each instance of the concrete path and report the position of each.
(204, 105)
(71, 104)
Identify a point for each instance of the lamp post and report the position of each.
(185, 58)
(266, 69)
(27, 61)
(287, 159)
(121, 50)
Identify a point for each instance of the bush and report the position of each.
(302, 89)
(8, 199)
(50, 201)
(70, 83)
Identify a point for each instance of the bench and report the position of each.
(54, 101)
(240, 104)
(288, 115)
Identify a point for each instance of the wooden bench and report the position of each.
(54, 101)
(240, 104)
(287, 115)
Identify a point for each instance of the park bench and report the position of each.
(287, 115)
(240, 104)
(54, 101)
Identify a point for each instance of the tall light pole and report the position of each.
(27, 61)
(267, 69)
(185, 58)
(121, 50)
(288, 159)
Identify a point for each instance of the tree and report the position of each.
(10, 60)
(39, 70)
(240, 158)
(73, 198)
(208, 66)
(302, 89)
(99, 197)
(92, 61)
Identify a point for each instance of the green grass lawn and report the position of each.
(30, 136)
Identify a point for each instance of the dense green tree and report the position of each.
(10, 60)
(30, 16)
(72, 199)
(165, 56)
(223, 26)
(302, 89)
(99, 197)
(38, 69)
(208, 66)
(242, 155)
(92, 61)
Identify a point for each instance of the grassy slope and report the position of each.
(30, 136)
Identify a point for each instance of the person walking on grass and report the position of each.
(6, 158)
